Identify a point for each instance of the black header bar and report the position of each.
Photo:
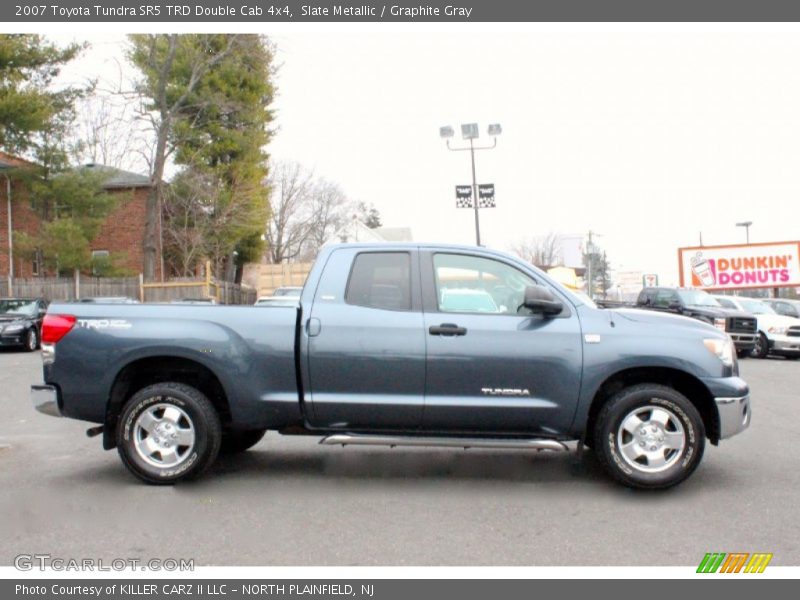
(454, 11)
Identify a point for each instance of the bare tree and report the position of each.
(542, 251)
(201, 219)
(306, 212)
(329, 211)
(109, 134)
(188, 220)
(290, 221)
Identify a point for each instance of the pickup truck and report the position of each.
(700, 305)
(398, 345)
(777, 334)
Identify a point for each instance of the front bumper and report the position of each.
(734, 415)
(12, 339)
(743, 341)
(784, 345)
(45, 400)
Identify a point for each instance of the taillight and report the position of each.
(55, 327)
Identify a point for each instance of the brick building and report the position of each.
(121, 235)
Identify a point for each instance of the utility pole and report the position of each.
(589, 265)
(475, 194)
(590, 262)
(746, 225)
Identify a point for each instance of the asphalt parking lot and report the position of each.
(291, 502)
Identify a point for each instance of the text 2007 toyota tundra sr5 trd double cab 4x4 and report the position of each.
(412, 345)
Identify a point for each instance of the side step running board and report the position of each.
(348, 439)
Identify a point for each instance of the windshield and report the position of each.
(697, 298)
(18, 307)
(756, 307)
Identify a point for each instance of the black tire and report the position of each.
(743, 353)
(684, 422)
(196, 416)
(761, 348)
(31, 340)
(234, 441)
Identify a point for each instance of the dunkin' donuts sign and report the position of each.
(747, 266)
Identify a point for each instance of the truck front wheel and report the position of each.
(168, 432)
(649, 436)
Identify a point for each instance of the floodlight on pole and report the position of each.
(470, 131)
(494, 129)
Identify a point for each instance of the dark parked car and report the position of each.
(21, 322)
(700, 305)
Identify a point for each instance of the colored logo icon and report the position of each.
(734, 562)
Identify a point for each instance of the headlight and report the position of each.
(778, 330)
(722, 349)
(719, 323)
(13, 328)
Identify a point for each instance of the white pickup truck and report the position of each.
(777, 334)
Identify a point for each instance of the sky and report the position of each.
(649, 138)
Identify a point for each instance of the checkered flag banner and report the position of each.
(486, 195)
(463, 196)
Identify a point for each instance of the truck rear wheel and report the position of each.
(649, 436)
(234, 442)
(168, 432)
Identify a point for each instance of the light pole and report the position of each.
(746, 225)
(469, 131)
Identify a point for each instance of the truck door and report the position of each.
(492, 366)
(365, 342)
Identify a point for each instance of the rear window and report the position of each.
(380, 280)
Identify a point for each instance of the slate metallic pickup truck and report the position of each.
(414, 345)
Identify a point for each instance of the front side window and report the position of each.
(473, 284)
(380, 280)
(18, 307)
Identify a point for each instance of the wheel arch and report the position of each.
(685, 383)
(145, 371)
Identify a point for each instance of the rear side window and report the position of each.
(726, 303)
(380, 280)
(664, 297)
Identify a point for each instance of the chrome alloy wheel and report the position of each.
(164, 435)
(32, 340)
(651, 439)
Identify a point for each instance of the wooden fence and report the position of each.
(222, 292)
(73, 288)
(266, 278)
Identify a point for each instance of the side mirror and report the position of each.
(674, 305)
(539, 299)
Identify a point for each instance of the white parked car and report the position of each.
(777, 334)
